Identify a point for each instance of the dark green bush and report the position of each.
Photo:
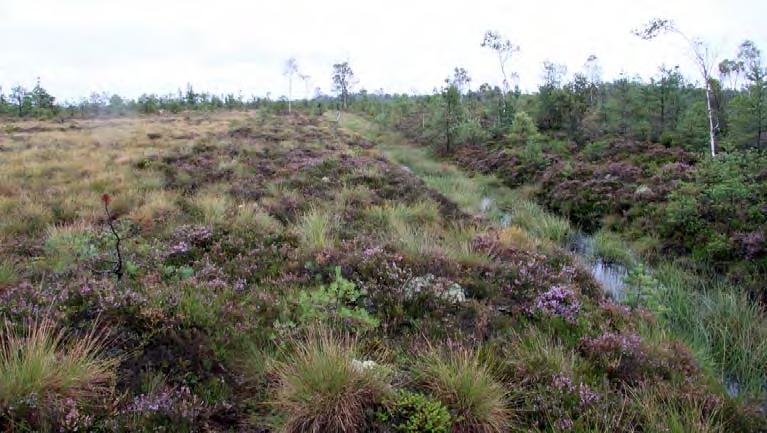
(408, 412)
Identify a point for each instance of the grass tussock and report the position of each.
(722, 322)
(316, 229)
(611, 248)
(42, 361)
(8, 273)
(460, 380)
(252, 216)
(540, 223)
(515, 237)
(663, 413)
(323, 387)
(213, 207)
(538, 354)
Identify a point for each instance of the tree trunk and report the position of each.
(759, 119)
(711, 127)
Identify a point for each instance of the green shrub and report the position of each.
(523, 129)
(595, 150)
(334, 303)
(470, 132)
(409, 412)
(532, 154)
(645, 290)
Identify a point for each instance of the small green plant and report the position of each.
(65, 246)
(176, 274)
(595, 150)
(408, 412)
(645, 290)
(523, 130)
(321, 387)
(197, 307)
(333, 303)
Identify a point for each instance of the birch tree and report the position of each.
(504, 49)
(291, 69)
(704, 59)
(754, 70)
(343, 80)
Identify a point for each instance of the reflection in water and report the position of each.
(610, 275)
(486, 203)
(506, 220)
(732, 386)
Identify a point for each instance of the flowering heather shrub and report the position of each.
(36, 414)
(488, 242)
(614, 316)
(210, 275)
(612, 343)
(559, 301)
(623, 356)
(582, 395)
(525, 275)
(176, 409)
(751, 245)
(66, 299)
(563, 401)
(185, 240)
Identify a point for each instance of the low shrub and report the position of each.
(408, 412)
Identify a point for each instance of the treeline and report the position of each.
(626, 156)
(38, 103)
(667, 109)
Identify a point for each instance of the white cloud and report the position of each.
(130, 47)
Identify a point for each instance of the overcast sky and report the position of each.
(157, 46)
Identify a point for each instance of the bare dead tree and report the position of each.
(117, 264)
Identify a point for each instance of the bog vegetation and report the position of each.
(197, 262)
